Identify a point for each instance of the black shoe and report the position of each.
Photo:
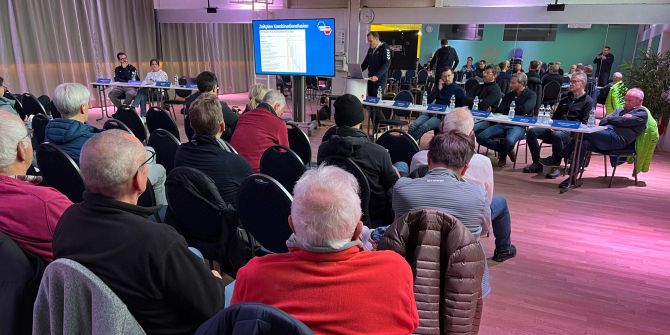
(550, 161)
(554, 173)
(501, 256)
(565, 183)
(533, 168)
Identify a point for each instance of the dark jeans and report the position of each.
(480, 125)
(373, 87)
(557, 138)
(501, 222)
(607, 139)
(424, 123)
(603, 77)
(510, 135)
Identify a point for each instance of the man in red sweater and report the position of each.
(28, 213)
(261, 128)
(326, 280)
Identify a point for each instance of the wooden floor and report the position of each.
(590, 261)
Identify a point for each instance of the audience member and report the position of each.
(573, 69)
(623, 127)
(517, 68)
(6, 103)
(205, 151)
(560, 70)
(349, 141)
(504, 68)
(533, 73)
(261, 128)
(575, 106)
(552, 76)
(489, 95)
(256, 94)
(70, 132)
(444, 57)
(207, 83)
(614, 97)
(525, 101)
(167, 288)
(603, 61)
(479, 72)
(479, 172)
(156, 74)
(28, 213)
(325, 260)
(441, 94)
(123, 73)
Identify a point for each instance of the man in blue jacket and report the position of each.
(377, 62)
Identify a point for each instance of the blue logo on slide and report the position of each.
(324, 28)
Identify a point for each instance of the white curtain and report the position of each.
(45, 43)
(225, 49)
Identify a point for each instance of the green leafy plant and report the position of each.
(651, 73)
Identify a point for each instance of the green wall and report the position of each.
(571, 45)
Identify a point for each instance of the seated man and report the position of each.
(525, 100)
(204, 151)
(29, 213)
(442, 93)
(123, 73)
(6, 103)
(575, 106)
(71, 131)
(552, 76)
(261, 128)
(479, 72)
(444, 189)
(489, 95)
(504, 68)
(373, 159)
(207, 83)
(479, 172)
(623, 127)
(614, 96)
(533, 73)
(326, 280)
(166, 287)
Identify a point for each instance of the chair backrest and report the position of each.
(400, 145)
(503, 84)
(299, 142)
(115, 124)
(422, 77)
(187, 127)
(166, 146)
(404, 95)
(537, 88)
(409, 76)
(253, 319)
(264, 207)
(470, 84)
(363, 184)
(282, 164)
(330, 132)
(158, 117)
(148, 197)
(32, 106)
(18, 106)
(39, 123)
(396, 74)
(183, 81)
(60, 171)
(129, 117)
(73, 300)
(551, 92)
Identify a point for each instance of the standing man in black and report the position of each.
(377, 62)
(603, 61)
(444, 57)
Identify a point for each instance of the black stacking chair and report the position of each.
(537, 88)
(60, 171)
(32, 106)
(422, 79)
(115, 124)
(199, 213)
(364, 186)
(18, 106)
(615, 156)
(148, 199)
(166, 146)
(264, 207)
(392, 120)
(39, 123)
(400, 145)
(330, 132)
(158, 118)
(470, 85)
(129, 117)
(299, 142)
(282, 164)
(179, 96)
(253, 318)
(551, 93)
(504, 85)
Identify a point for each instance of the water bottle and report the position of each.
(452, 102)
(379, 94)
(176, 80)
(133, 76)
(547, 114)
(512, 108)
(475, 103)
(592, 119)
(424, 100)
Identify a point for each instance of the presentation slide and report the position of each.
(294, 47)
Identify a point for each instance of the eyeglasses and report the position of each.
(151, 157)
(574, 82)
(123, 58)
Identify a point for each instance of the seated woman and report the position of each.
(256, 94)
(156, 74)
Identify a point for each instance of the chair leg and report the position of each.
(587, 158)
(605, 164)
(635, 168)
(613, 172)
(516, 153)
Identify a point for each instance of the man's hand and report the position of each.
(216, 274)
(374, 79)
(440, 84)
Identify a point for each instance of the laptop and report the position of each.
(355, 71)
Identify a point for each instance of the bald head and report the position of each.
(633, 99)
(15, 147)
(459, 119)
(110, 164)
(616, 77)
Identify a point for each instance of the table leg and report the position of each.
(103, 102)
(575, 164)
